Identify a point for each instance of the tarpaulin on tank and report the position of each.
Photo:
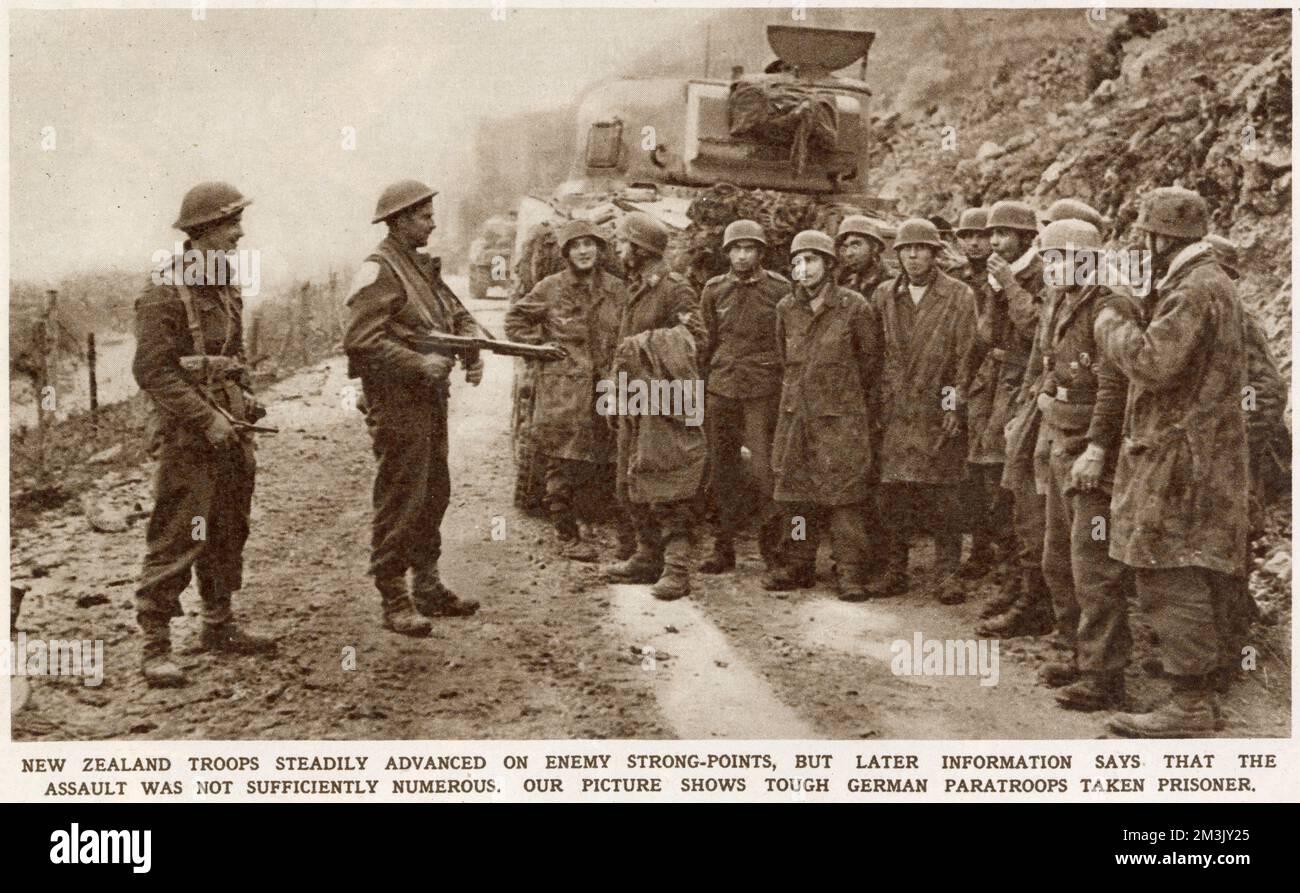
(784, 114)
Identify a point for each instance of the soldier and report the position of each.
(189, 360)
(823, 453)
(1081, 396)
(858, 247)
(989, 503)
(1016, 280)
(578, 309)
(657, 299)
(1181, 486)
(398, 295)
(928, 321)
(743, 371)
(1074, 209)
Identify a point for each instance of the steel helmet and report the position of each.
(973, 220)
(578, 229)
(1070, 235)
(1012, 215)
(1174, 211)
(399, 196)
(1073, 209)
(918, 231)
(208, 203)
(857, 224)
(813, 240)
(739, 230)
(644, 231)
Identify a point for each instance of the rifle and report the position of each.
(460, 345)
(211, 365)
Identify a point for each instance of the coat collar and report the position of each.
(1183, 260)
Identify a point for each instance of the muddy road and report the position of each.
(553, 653)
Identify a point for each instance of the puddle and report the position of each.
(704, 688)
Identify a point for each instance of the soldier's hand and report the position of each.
(556, 351)
(1086, 472)
(1001, 270)
(474, 372)
(1105, 319)
(219, 432)
(437, 367)
(951, 424)
(1044, 401)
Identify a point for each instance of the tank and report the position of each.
(788, 147)
(490, 254)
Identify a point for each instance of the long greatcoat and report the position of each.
(1181, 484)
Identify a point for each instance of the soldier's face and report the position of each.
(416, 225)
(917, 261)
(743, 256)
(808, 268)
(974, 243)
(225, 235)
(1007, 242)
(583, 253)
(857, 252)
(625, 250)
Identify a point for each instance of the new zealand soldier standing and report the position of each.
(189, 360)
(743, 388)
(928, 320)
(823, 457)
(1181, 486)
(1016, 278)
(1081, 396)
(657, 299)
(398, 295)
(577, 309)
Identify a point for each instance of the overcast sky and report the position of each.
(146, 103)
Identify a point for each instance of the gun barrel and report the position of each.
(461, 344)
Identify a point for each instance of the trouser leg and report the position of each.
(1058, 551)
(1101, 585)
(412, 483)
(1178, 602)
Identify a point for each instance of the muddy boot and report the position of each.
(1057, 673)
(980, 562)
(626, 541)
(675, 582)
(645, 566)
(723, 558)
(1093, 691)
(571, 544)
(1189, 713)
(1154, 667)
(156, 664)
(787, 576)
(951, 592)
(399, 613)
(892, 582)
(220, 632)
(1030, 616)
(432, 599)
(851, 583)
(1004, 600)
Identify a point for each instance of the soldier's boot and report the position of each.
(1189, 713)
(156, 664)
(892, 582)
(1057, 673)
(399, 614)
(220, 631)
(770, 541)
(1004, 600)
(675, 582)
(432, 599)
(1093, 691)
(571, 544)
(645, 566)
(947, 564)
(626, 534)
(723, 558)
(790, 575)
(981, 558)
(1030, 616)
(852, 583)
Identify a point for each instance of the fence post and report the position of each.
(47, 346)
(94, 388)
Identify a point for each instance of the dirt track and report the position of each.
(554, 653)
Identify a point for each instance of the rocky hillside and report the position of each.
(1197, 98)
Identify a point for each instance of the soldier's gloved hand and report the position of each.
(951, 424)
(219, 432)
(474, 372)
(1086, 471)
(1044, 401)
(437, 367)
